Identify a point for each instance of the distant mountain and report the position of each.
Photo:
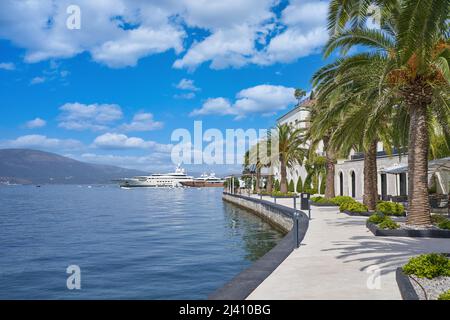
(25, 166)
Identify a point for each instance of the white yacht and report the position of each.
(166, 180)
(205, 180)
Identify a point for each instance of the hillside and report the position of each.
(24, 166)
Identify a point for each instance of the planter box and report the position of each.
(405, 286)
(407, 233)
(360, 214)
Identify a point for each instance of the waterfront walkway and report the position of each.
(337, 258)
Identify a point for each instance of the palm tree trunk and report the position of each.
(269, 182)
(330, 169)
(258, 179)
(418, 203)
(370, 176)
(283, 172)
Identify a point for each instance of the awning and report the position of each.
(439, 165)
(442, 164)
(397, 169)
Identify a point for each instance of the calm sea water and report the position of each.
(129, 244)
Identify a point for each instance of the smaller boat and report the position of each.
(205, 181)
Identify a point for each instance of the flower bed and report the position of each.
(381, 225)
(425, 277)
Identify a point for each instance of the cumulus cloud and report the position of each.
(262, 99)
(38, 80)
(158, 161)
(187, 84)
(185, 96)
(122, 141)
(118, 33)
(9, 66)
(142, 122)
(42, 142)
(78, 116)
(305, 33)
(35, 123)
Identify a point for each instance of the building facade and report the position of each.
(349, 179)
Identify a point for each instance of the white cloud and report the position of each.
(262, 99)
(78, 116)
(38, 80)
(138, 43)
(36, 123)
(187, 84)
(120, 32)
(42, 142)
(156, 161)
(121, 141)
(185, 96)
(9, 66)
(142, 122)
(224, 48)
(218, 106)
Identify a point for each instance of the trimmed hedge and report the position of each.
(376, 218)
(428, 266)
(341, 199)
(383, 222)
(283, 194)
(390, 208)
(353, 206)
(445, 296)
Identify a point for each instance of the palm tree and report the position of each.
(290, 151)
(412, 48)
(318, 132)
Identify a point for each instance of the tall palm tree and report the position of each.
(290, 151)
(359, 124)
(316, 133)
(412, 47)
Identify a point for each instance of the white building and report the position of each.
(349, 179)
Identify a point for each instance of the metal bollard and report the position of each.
(295, 204)
(275, 199)
(296, 226)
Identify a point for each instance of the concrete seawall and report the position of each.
(273, 213)
(241, 286)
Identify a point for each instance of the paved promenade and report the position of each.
(336, 257)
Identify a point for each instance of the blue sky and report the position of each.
(113, 91)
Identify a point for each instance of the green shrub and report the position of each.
(388, 223)
(390, 208)
(428, 266)
(341, 199)
(299, 185)
(437, 218)
(291, 187)
(283, 194)
(376, 218)
(276, 185)
(353, 206)
(444, 225)
(445, 296)
(322, 200)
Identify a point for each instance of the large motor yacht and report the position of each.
(205, 180)
(165, 180)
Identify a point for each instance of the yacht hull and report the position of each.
(202, 184)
